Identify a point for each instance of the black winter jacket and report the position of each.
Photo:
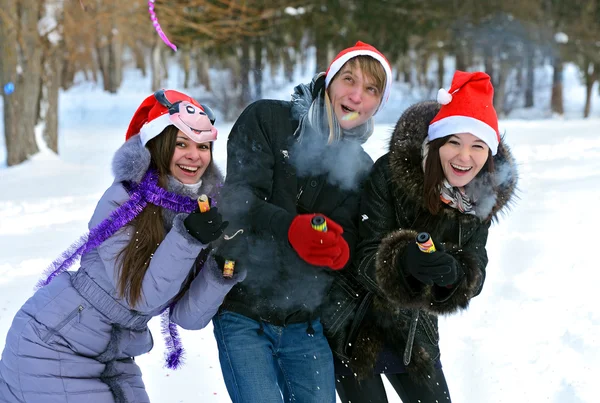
(373, 304)
(272, 177)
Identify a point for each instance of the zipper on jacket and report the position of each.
(411, 337)
(459, 233)
(63, 323)
(299, 193)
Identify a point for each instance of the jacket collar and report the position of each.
(132, 160)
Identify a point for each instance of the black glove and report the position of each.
(205, 227)
(438, 267)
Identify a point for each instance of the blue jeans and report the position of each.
(281, 364)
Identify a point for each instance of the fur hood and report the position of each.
(405, 163)
(132, 160)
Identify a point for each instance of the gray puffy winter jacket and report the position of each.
(74, 339)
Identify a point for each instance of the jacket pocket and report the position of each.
(356, 323)
(426, 327)
(56, 330)
(343, 312)
(341, 303)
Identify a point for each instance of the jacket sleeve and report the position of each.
(345, 216)
(473, 260)
(376, 220)
(202, 300)
(437, 300)
(169, 266)
(249, 180)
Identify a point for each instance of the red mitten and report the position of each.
(319, 248)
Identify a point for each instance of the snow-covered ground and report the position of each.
(531, 336)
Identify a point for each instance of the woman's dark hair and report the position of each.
(148, 226)
(434, 174)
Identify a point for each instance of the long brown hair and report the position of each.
(434, 174)
(148, 226)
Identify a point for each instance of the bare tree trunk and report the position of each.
(272, 58)
(67, 75)
(441, 71)
(202, 72)
(500, 87)
(103, 56)
(288, 64)
(115, 63)
(140, 60)
(461, 60)
(40, 97)
(109, 50)
(591, 75)
(322, 50)
(489, 65)
(21, 64)
(53, 67)
(556, 100)
(155, 66)
(405, 68)
(321, 57)
(186, 64)
(244, 74)
(423, 63)
(164, 62)
(257, 69)
(530, 77)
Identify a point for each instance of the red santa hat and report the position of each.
(169, 107)
(361, 49)
(467, 107)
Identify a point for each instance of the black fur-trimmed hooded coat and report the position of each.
(373, 304)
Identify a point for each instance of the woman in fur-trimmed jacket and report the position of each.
(447, 173)
(147, 254)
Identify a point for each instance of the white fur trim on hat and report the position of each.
(337, 64)
(154, 128)
(464, 124)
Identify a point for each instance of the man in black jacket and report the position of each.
(286, 163)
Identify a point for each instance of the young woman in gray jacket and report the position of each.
(146, 254)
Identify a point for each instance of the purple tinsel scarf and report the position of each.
(147, 191)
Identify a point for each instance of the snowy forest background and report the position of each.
(233, 50)
(73, 72)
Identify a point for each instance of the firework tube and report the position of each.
(228, 268)
(318, 223)
(203, 203)
(425, 243)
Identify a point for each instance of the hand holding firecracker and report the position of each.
(319, 223)
(318, 240)
(204, 206)
(228, 251)
(427, 264)
(203, 203)
(205, 223)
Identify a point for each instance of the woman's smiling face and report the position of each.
(190, 159)
(462, 157)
